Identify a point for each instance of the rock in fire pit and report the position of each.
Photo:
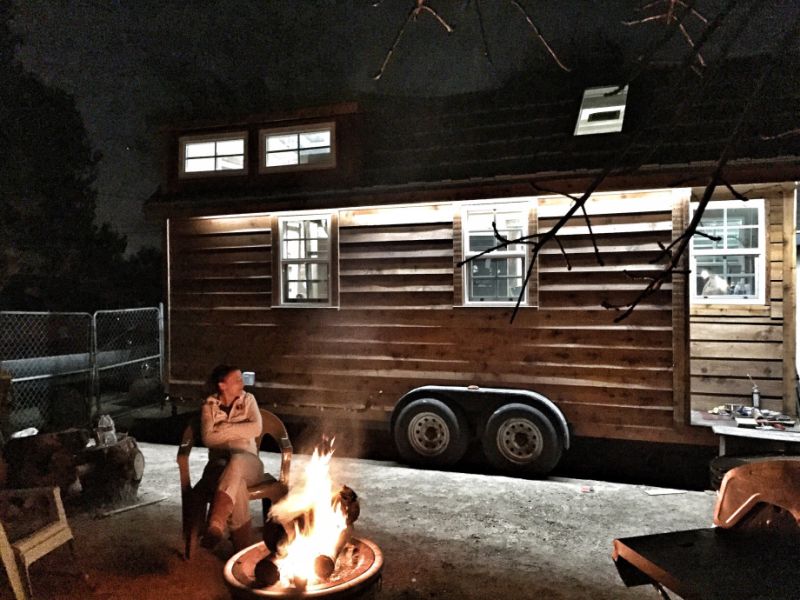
(309, 549)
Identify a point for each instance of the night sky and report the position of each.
(135, 65)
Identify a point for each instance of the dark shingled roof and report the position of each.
(671, 119)
(676, 121)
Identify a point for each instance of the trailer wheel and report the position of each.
(520, 439)
(428, 432)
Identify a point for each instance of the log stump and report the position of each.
(112, 472)
(105, 473)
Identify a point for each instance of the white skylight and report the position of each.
(602, 110)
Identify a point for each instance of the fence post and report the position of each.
(161, 369)
(93, 358)
(5, 405)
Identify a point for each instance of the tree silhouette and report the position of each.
(54, 257)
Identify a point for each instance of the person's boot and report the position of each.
(242, 537)
(221, 508)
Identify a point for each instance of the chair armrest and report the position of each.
(185, 448)
(286, 459)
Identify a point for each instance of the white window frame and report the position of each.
(328, 163)
(523, 207)
(209, 138)
(282, 261)
(759, 295)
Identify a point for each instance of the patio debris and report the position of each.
(655, 491)
(122, 509)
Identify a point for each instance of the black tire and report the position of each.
(520, 439)
(430, 433)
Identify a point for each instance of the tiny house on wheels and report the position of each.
(320, 248)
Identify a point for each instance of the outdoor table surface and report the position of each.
(790, 434)
(717, 564)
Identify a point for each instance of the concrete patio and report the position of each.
(444, 535)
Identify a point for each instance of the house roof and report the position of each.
(677, 124)
(672, 119)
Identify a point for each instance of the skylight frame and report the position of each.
(599, 100)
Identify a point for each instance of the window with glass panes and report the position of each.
(305, 259)
(731, 267)
(298, 148)
(211, 155)
(495, 277)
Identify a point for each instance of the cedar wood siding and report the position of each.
(399, 323)
(728, 342)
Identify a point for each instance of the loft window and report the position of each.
(496, 277)
(307, 147)
(213, 154)
(305, 256)
(602, 110)
(732, 269)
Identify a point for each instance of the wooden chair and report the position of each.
(35, 539)
(195, 499)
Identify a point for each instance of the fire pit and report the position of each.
(309, 549)
(357, 574)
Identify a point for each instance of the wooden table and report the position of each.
(733, 438)
(713, 564)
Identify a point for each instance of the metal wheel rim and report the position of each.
(428, 434)
(519, 441)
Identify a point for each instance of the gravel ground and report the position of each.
(443, 535)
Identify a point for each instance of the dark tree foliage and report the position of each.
(53, 255)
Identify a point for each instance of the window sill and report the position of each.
(298, 305)
(493, 305)
(729, 308)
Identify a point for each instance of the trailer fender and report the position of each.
(480, 396)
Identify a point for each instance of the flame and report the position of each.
(314, 507)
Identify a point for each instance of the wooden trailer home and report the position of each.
(320, 248)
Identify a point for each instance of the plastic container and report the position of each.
(105, 432)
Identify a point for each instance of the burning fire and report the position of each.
(318, 524)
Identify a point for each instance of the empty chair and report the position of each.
(32, 523)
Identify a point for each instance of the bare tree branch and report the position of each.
(783, 134)
(736, 194)
(539, 35)
(682, 242)
(423, 6)
(674, 13)
(420, 6)
(486, 52)
(564, 253)
(645, 58)
(586, 218)
(645, 20)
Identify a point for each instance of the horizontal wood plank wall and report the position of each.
(731, 341)
(400, 324)
(219, 268)
(621, 377)
(220, 263)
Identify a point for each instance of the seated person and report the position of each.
(230, 422)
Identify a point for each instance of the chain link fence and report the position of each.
(128, 351)
(48, 356)
(64, 366)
